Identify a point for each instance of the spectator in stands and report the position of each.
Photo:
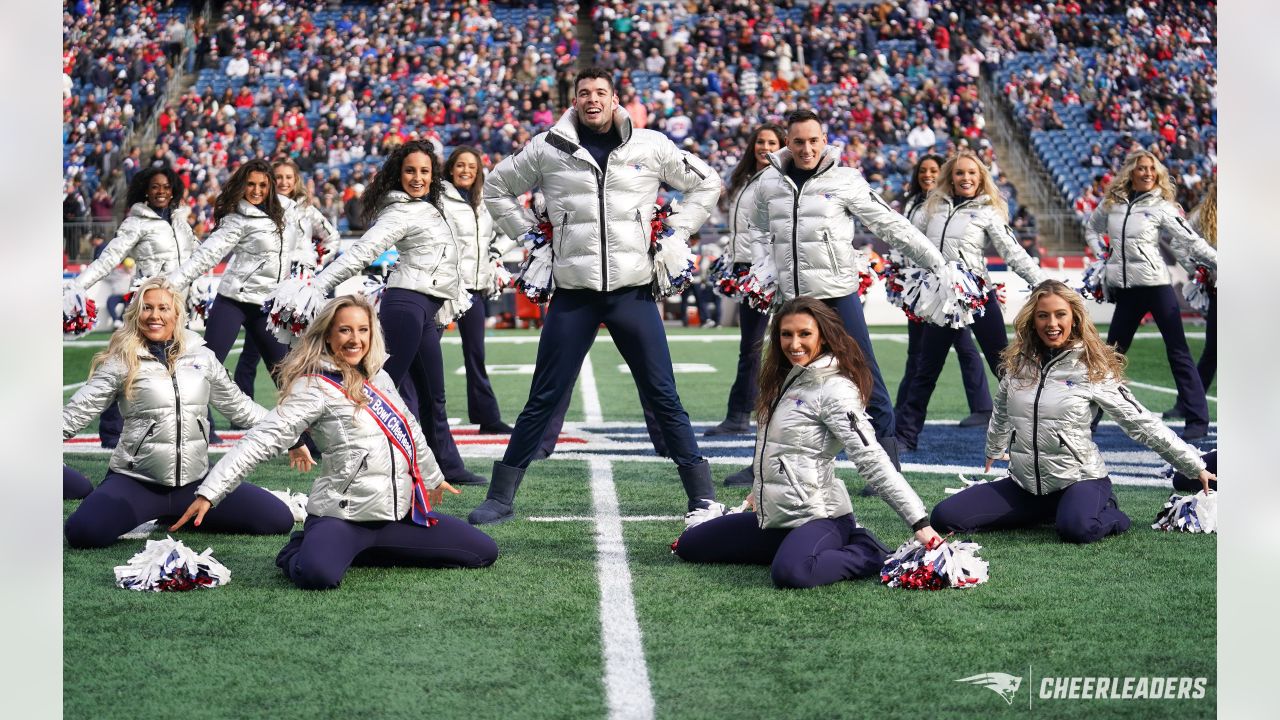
(1137, 209)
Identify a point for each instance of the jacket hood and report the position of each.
(567, 125)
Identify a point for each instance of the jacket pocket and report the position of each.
(796, 486)
(204, 431)
(831, 251)
(137, 445)
(357, 467)
(1146, 257)
(644, 236)
(1067, 446)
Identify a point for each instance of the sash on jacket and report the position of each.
(396, 427)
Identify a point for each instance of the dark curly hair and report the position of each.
(388, 177)
(138, 188)
(775, 366)
(233, 192)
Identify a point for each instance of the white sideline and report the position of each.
(626, 677)
(1162, 389)
(591, 410)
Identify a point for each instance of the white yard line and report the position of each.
(591, 411)
(1162, 389)
(453, 339)
(626, 677)
(625, 518)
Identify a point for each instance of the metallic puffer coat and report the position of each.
(810, 232)
(1043, 421)
(166, 436)
(740, 248)
(601, 216)
(961, 229)
(263, 253)
(478, 244)
(1134, 229)
(362, 475)
(819, 414)
(156, 246)
(428, 254)
(313, 224)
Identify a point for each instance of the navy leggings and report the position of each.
(573, 318)
(742, 396)
(224, 323)
(247, 366)
(413, 344)
(1085, 512)
(75, 485)
(820, 552)
(972, 372)
(879, 407)
(1208, 365)
(121, 503)
(935, 345)
(317, 557)
(1132, 304)
(482, 404)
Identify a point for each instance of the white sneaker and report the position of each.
(710, 510)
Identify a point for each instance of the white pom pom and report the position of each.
(372, 287)
(168, 565)
(952, 564)
(79, 312)
(1199, 290)
(295, 501)
(949, 299)
(1189, 513)
(1094, 283)
(760, 287)
(291, 307)
(502, 279)
(200, 296)
(536, 280)
(453, 309)
(672, 265)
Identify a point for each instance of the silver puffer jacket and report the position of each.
(1043, 422)
(362, 475)
(960, 231)
(313, 224)
(819, 414)
(428, 254)
(1189, 262)
(810, 232)
(740, 247)
(478, 243)
(166, 437)
(600, 216)
(1134, 229)
(156, 246)
(263, 254)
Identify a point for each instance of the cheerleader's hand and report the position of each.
(1003, 458)
(437, 495)
(1205, 477)
(300, 459)
(197, 509)
(751, 502)
(929, 537)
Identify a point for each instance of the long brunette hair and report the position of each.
(774, 366)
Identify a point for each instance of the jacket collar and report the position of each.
(143, 210)
(782, 158)
(191, 341)
(247, 209)
(822, 367)
(563, 136)
(451, 192)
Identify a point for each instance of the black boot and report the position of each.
(734, 424)
(698, 484)
(745, 476)
(499, 504)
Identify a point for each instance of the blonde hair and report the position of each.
(1205, 216)
(308, 356)
(300, 193)
(128, 344)
(943, 191)
(1022, 358)
(1122, 183)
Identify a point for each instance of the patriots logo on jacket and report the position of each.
(1002, 684)
(638, 166)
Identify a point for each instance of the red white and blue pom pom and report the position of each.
(1200, 289)
(952, 564)
(535, 279)
(760, 287)
(169, 566)
(866, 273)
(1094, 284)
(200, 296)
(951, 299)
(725, 280)
(673, 265)
(79, 312)
(891, 271)
(291, 307)
(502, 279)
(451, 310)
(372, 287)
(1188, 513)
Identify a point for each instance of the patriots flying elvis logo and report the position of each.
(1002, 684)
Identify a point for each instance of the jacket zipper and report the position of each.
(795, 244)
(764, 440)
(1035, 417)
(479, 250)
(795, 484)
(1124, 226)
(943, 238)
(177, 406)
(395, 491)
(831, 251)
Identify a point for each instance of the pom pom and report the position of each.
(966, 483)
(891, 272)
(1200, 289)
(295, 501)
(952, 564)
(79, 312)
(451, 310)
(725, 280)
(950, 299)
(1094, 284)
(535, 279)
(1189, 513)
(200, 296)
(372, 287)
(169, 566)
(760, 287)
(502, 279)
(291, 307)
(710, 510)
(866, 273)
(673, 265)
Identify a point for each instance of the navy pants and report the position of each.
(972, 372)
(121, 503)
(1084, 512)
(75, 485)
(573, 318)
(246, 373)
(1182, 483)
(879, 407)
(935, 345)
(742, 396)
(318, 557)
(224, 323)
(482, 404)
(1132, 304)
(110, 425)
(820, 552)
(1208, 365)
(413, 344)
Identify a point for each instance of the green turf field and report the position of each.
(528, 638)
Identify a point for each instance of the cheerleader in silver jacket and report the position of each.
(962, 214)
(479, 247)
(371, 503)
(402, 209)
(165, 380)
(1139, 206)
(157, 234)
(812, 383)
(1057, 373)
